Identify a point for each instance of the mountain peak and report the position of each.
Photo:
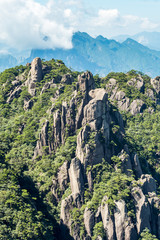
(130, 41)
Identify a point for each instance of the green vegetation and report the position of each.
(142, 134)
(130, 90)
(110, 183)
(28, 208)
(146, 235)
(98, 231)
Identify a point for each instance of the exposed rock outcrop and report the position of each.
(143, 214)
(35, 75)
(63, 176)
(156, 84)
(28, 104)
(100, 136)
(123, 226)
(137, 82)
(86, 82)
(136, 165)
(66, 207)
(137, 106)
(154, 201)
(43, 140)
(76, 176)
(108, 221)
(89, 221)
(148, 183)
(14, 94)
(67, 79)
(126, 165)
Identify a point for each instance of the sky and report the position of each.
(27, 24)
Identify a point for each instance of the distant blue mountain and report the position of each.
(101, 55)
(149, 39)
(7, 61)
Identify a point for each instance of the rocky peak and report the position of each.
(35, 75)
(36, 70)
(86, 81)
(137, 82)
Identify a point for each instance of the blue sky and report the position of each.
(26, 22)
(143, 8)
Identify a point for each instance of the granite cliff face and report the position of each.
(101, 189)
(94, 117)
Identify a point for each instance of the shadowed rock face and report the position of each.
(143, 214)
(156, 84)
(43, 140)
(89, 221)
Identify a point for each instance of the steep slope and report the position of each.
(71, 167)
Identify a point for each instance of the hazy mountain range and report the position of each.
(149, 39)
(100, 55)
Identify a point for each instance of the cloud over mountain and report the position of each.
(27, 23)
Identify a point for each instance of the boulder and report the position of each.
(96, 109)
(90, 181)
(89, 149)
(137, 106)
(111, 85)
(56, 129)
(98, 217)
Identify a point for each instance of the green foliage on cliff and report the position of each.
(146, 235)
(28, 209)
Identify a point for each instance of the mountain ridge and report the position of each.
(101, 55)
(79, 154)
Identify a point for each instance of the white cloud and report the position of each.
(146, 24)
(24, 24)
(106, 17)
(109, 22)
(112, 17)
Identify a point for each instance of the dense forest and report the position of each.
(79, 154)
